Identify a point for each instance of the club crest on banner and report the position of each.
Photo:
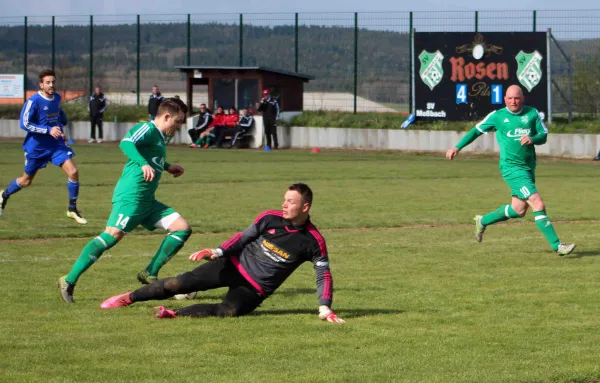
(529, 70)
(431, 68)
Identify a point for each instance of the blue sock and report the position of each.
(12, 188)
(73, 188)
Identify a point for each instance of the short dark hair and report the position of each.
(173, 106)
(203, 105)
(304, 191)
(46, 73)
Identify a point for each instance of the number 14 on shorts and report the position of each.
(122, 221)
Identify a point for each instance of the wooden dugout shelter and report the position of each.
(243, 86)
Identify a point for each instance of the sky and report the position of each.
(132, 7)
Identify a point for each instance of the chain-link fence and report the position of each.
(360, 61)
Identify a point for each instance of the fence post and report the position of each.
(296, 43)
(476, 21)
(189, 39)
(241, 39)
(25, 62)
(355, 58)
(137, 63)
(410, 60)
(53, 42)
(91, 54)
(534, 20)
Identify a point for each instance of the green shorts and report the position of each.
(126, 215)
(521, 183)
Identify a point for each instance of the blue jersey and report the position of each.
(38, 116)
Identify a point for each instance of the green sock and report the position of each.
(502, 214)
(199, 141)
(168, 248)
(545, 226)
(90, 254)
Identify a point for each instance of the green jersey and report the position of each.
(143, 144)
(510, 127)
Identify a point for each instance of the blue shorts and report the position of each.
(58, 156)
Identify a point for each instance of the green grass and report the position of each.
(423, 301)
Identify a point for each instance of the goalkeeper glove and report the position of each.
(325, 313)
(208, 254)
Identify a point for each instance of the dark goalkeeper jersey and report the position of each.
(270, 249)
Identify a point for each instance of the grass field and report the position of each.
(423, 301)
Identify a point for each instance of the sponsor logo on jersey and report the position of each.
(274, 252)
(46, 107)
(160, 162)
(518, 133)
(271, 231)
(506, 120)
(525, 119)
(431, 71)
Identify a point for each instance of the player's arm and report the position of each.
(104, 105)
(29, 114)
(248, 123)
(175, 170)
(541, 135)
(483, 127)
(206, 120)
(324, 286)
(235, 244)
(133, 138)
(277, 107)
(62, 117)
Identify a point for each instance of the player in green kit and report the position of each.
(133, 201)
(518, 128)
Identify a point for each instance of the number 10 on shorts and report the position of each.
(461, 93)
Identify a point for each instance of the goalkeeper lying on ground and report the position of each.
(253, 264)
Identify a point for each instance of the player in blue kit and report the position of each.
(43, 120)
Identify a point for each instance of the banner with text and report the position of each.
(11, 86)
(464, 75)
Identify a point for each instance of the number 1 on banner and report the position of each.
(496, 94)
(461, 93)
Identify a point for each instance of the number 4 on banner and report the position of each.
(496, 94)
(461, 93)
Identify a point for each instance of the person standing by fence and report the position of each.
(269, 107)
(96, 108)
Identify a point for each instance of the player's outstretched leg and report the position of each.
(68, 166)
(479, 228)
(543, 223)
(501, 214)
(173, 242)
(72, 212)
(11, 189)
(90, 254)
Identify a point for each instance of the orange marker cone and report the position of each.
(316, 150)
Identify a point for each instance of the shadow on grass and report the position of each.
(586, 253)
(343, 313)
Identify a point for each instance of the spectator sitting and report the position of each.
(204, 140)
(241, 127)
(204, 122)
(229, 122)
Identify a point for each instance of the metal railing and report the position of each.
(361, 61)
